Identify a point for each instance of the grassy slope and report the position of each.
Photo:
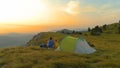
(107, 55)
(44, 37)
(112, 28)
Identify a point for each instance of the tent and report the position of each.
(76, 45)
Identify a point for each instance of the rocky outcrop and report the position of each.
(43, 37)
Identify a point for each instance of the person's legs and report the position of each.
(49, 46)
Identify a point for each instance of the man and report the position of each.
(50, 43)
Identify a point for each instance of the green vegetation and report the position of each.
(44, 37)
(107, 55)
(96, 31)
(109, 29)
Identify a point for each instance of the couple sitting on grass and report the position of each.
(51, 44)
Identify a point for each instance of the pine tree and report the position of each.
(89, 29)
(96, 31)
(119, 29)
(105, 27)
(73, 32)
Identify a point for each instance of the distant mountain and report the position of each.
(14, 39)
(66, 31)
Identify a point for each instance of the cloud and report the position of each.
(74, 13)
(69, 14)
(72, 7)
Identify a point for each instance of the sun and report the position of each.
(18, 11)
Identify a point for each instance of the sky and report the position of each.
(24, 16)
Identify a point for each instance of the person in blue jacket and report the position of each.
(50, 43)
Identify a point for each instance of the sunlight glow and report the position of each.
(12, 11)
(42, 15)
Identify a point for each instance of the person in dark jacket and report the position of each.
(50, 43)
(43, 45)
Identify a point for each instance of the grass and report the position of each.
(107, 55)
(112, 28)
(44, 37)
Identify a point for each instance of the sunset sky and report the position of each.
(22, 16)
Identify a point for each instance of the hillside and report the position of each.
(32, 56)
(107, 55)
(111, 28)
(43, 37)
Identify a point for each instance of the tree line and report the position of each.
(98, 30)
